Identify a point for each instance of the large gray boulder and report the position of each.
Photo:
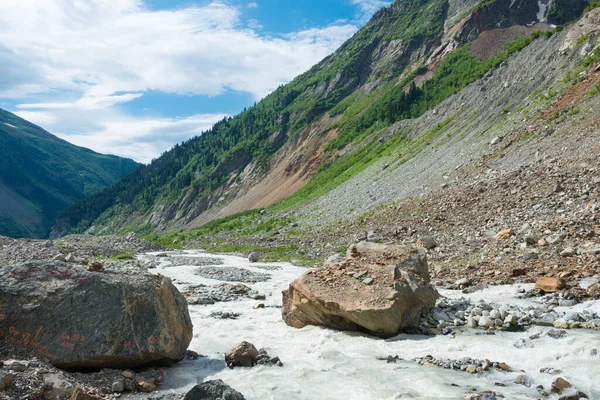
(80, 320)
(213, 390)
(380, 289)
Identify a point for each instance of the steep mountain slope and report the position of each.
(327, 125)
(41, 174)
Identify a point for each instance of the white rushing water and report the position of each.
(325, 364)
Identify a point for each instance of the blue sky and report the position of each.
(134, 77)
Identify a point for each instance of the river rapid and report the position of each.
(321, 363)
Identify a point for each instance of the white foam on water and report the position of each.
(326, 364)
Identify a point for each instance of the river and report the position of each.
(325, 364)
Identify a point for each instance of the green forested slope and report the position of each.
(41, 174)
(367, 84)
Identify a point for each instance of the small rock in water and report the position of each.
(559, 385)
(556, 333)
(486, 322)
(242, 355)
(523, 380)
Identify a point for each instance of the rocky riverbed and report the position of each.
(524, 360)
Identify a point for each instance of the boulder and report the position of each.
(81, 320)
(550, 285)
(397, 294)
(213, 390)
(429, 242)
(242, 355)
(253, 257)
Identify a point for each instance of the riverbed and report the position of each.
(320, 363)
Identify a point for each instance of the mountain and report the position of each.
(374, 100)
(41, 174)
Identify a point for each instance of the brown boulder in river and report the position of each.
(379, 289)
(78, 320)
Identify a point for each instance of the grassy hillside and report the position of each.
(41, 174)
(365, 86)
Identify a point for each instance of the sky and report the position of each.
(134, 77)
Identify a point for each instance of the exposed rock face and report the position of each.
(213, 390)
(380, 289)
(79, 320)
(589, 25)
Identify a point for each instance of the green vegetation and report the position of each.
(189, 174)
(41, 174)
(564, 11)
(197, 167)
(459, 69)
(124, 256)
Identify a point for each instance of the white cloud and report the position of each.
(369, 7)
(71, 63)
(141, 139)
(252, 5)
(99, 48)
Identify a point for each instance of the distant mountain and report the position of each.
(41, 174)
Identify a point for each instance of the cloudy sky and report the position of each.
(134, 77)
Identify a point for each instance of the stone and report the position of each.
(529, 254)
(429, 242)
(80, 320)
(127, 374)
(516, 272)
(523, 380)
(574, 396)
(511, 320)
(242, 355)
(504, 234)
(568, 252)
(78, 394)
(146, 387)
(531, 239)
(496, 140)
(6, 380)
(70, 258)
(213, 390)
(368, 281)
(472, 322)
(60, 257)
(559, 385)
(561, 323)
(550, 285)
(486, 322)
(557, 333)
(401, 296)
(253, 257)
(471, 369)
(57, 387)
(96, 266)
(504, 367)
(118, 386)
(555, 239)
(463, 282)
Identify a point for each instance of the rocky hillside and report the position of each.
(451, 72)
(41, 174)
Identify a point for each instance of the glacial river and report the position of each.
(325, 364)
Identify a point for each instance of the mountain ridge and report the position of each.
(395, 68)
(40, 174)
